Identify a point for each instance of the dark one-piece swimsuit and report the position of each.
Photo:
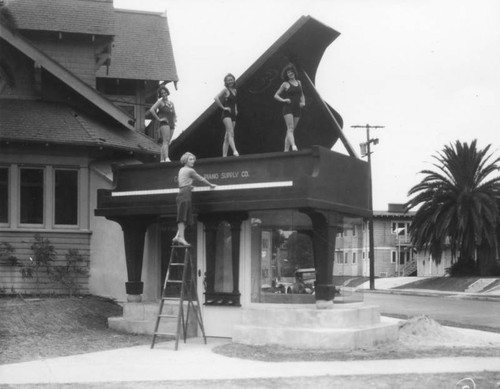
(294, 93)
(230, 102)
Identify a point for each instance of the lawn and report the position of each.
(37, 328)
(445, 284)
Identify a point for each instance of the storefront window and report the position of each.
(283, 263)
(283, 268)
(223, 279)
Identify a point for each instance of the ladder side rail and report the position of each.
(162, 301)
(180, 317)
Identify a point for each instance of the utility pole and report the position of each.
(366, 151)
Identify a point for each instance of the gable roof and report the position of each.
(60, 124)
(260, 126)
(94, 17)
(60, 72)
(142, 48)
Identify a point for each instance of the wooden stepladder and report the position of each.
(180, 272)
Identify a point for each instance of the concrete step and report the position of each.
(140, 318)
(480, 285)
(339, 317)
(318, 338)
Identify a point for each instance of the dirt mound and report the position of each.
(422, 331)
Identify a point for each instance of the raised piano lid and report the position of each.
(314, 178)
(260, 127)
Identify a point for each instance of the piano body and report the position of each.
(323, 185)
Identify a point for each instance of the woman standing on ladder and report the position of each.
(164, 111)
(226, 99)
(293, 101)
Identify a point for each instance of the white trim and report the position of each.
(256, 185)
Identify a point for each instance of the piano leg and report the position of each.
(134, 231)
(324, 234)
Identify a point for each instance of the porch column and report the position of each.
(324, 234)
(134, 231)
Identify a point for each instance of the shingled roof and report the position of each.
(59, 124)
(96, 17)
(142, 48)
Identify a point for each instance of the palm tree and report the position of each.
(459, 204)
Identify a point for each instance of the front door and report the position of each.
(220, 272)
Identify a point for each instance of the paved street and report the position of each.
(468, 312)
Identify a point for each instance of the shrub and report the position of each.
(463, 269)
(7, 254)
(67, 275)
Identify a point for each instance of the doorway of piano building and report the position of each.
(220, 249)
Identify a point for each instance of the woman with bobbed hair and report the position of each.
(187, 175)
(226, 99)
(164, 112)
(291, 95)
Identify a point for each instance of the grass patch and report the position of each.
(446, 284)
(40, 328)
(396, 350)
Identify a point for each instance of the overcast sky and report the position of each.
(427, 70)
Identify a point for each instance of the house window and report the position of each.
(393, 257)
(401, 228)
(354, 230)
(31, 196)
(354, 257)
(4, 195)
(346, 257)
(66, 197)
(364, 255)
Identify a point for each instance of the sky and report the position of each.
(428, 71)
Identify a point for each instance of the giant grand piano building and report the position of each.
(271, 213)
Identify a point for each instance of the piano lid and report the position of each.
(260, 126)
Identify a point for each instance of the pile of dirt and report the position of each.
(423, 332)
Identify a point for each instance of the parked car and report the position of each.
(304, 282)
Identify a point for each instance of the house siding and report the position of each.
(11, 280)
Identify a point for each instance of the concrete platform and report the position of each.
(140, 318)
(342, 328)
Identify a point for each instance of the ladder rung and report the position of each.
(165, 333)
(177, 263)
(167, 316)
(175, 281)
(171, 298)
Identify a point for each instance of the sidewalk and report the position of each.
(196, 361)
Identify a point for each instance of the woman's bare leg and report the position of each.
(290, 128)
(229, 137)
(166, 134)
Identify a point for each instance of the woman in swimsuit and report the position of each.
(226, 99)
(293, 101)
(164, 111)
(186, 176)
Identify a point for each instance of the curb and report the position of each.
(432, 293)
